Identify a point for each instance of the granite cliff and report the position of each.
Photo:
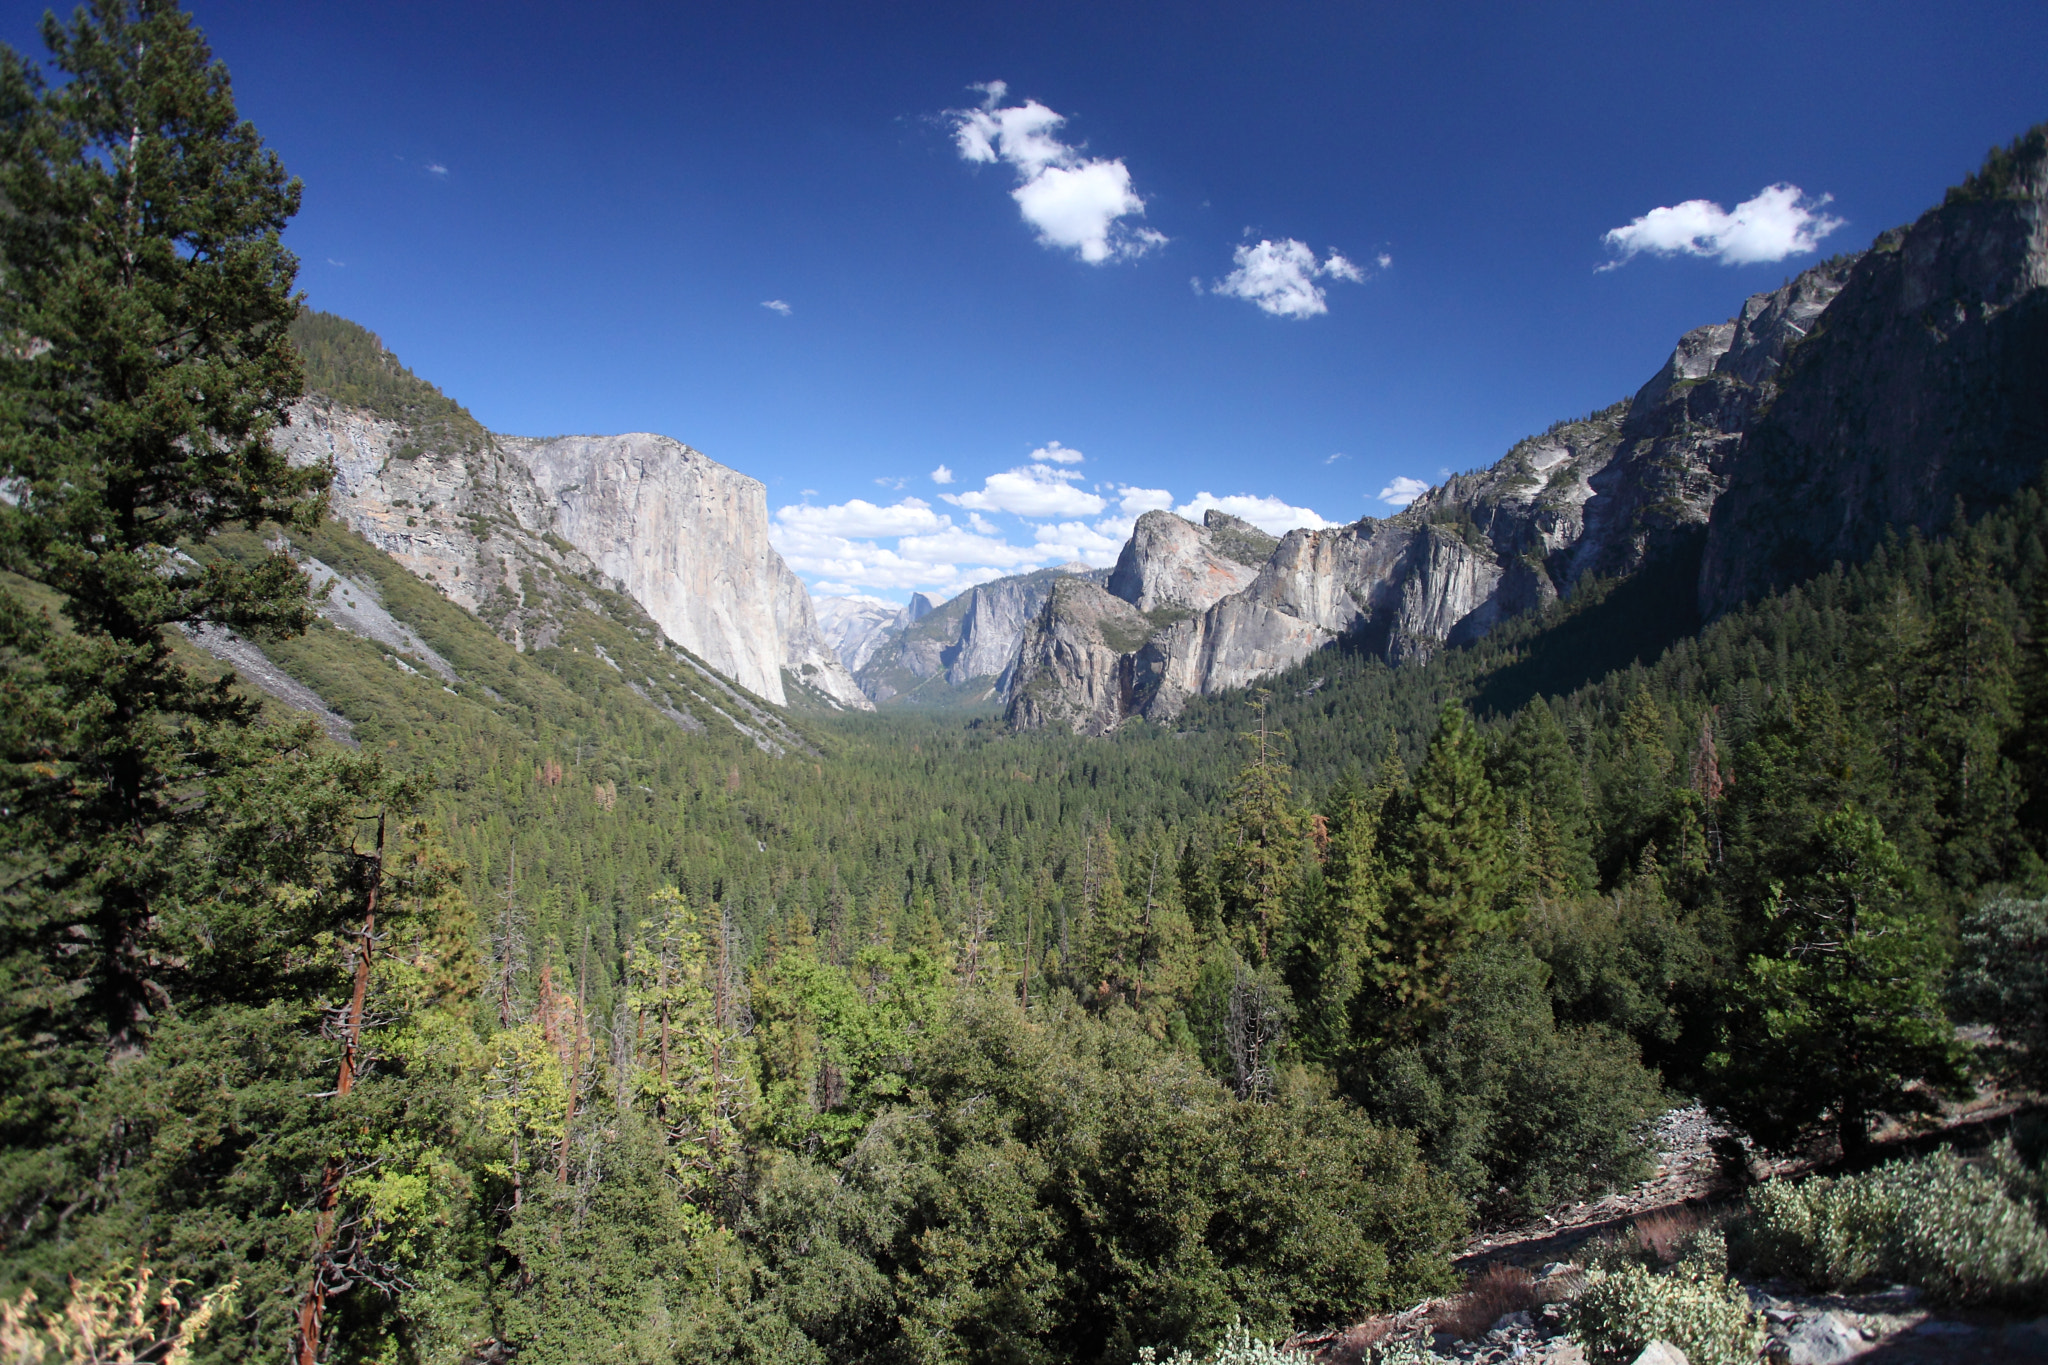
(515, 530)
(1604, 494)
(960, 651)
(1923, 388)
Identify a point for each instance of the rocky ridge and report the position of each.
(1602, 494)
(963, 649)
(1873, 393)
(512, 529)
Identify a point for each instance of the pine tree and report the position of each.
(1261, 850)
(1450, 882)
(144, 302)
(1838, 1016)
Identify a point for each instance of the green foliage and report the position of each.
(2006, 171)
(347, 365)
(1448, 881)
(1238, 1347)
(1064, 1189)
(1839, 1015)
(2002, 980)
(1955, 1229)
(1702, 1313)
(1520, 1112)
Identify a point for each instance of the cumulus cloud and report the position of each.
(1780, 221)
(887, 482)
(1402, 490)
(1057, 454)
(942, 475)
(1271, 515)
(776, 306)
(1097, 545)
(1280, 277)
(1074, 202)
(860, 518)
(1134, 501)
(436, 168)
(1032, 490)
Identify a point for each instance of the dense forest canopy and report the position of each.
(537, 1024)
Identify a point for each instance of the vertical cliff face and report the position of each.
(1072, 664)
(1604, 495)
(1924, 384)
(687, 538)
(1174, 565)
(962, 649)
(514, 529)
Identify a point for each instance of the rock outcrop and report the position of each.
(1073, 662)
(1923, 386)
(687, 538)
(1604, 495)
(512, 529)
(963, 649)
(1172, 565)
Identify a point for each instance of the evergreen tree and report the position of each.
(144, 302)
(1837, 1016)
(1260, 852)
(1449, 883)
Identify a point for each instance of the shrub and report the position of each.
(2002, 979)
(1704, 1314)
(1963, 1234)
(1238, 1347)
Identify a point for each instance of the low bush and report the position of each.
(1962, 1233)
(1702, 1313)
(1238, 1347)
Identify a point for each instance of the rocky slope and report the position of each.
(1923, 386)
(1604, 494)
(963, 650)
(856, 626)
(517, 530)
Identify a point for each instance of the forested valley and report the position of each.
(534, 1026)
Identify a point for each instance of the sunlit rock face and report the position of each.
(508, 527)
(1605, 494)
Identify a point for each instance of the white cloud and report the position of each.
(942, 475)
(1097, 545)
(1132, 502)
(861, 518)
(1074, 202)
(1779, 222)
(1033, 490)
(1402, 490)
(1271, 515)
(897, 484)
(1332, 459)
(983, 525)
(436, 168)
(1280, 277)
(1057, 454)
(1385, 261)
(776, 306)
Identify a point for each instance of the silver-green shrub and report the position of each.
(1704, 1314)
(1238, 1347)
(1957, 1231)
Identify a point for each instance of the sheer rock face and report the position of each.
(1601, 495)
(853, 626)
(507, 528)
(687, 538)
(1073, 664)
(972, 637)
(1923, 385)
(1174, 564)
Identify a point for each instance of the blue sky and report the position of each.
(571, 217)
